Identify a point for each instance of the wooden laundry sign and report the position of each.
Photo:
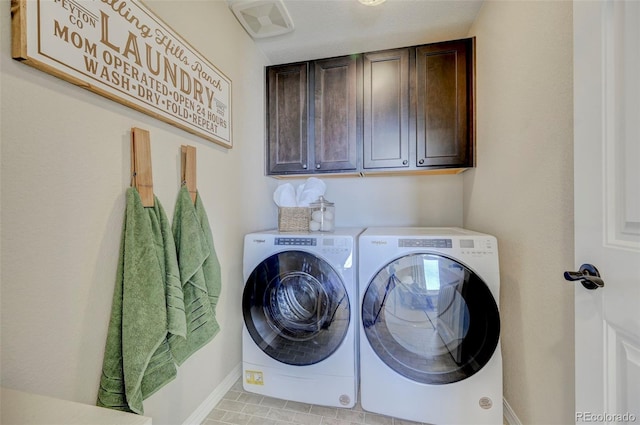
(121, 50)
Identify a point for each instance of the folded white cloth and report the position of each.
(286, 196)
(310, 191)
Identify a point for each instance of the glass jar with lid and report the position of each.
(322, 215)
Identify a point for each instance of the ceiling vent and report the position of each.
(263, 18)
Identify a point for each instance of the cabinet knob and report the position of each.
(421, 162)
(304, 166)
(405, 162)
(318, 166)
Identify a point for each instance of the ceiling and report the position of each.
(327, 28)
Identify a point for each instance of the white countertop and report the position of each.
(20, 408)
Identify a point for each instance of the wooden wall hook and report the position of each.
(188, 154)
(141, 176)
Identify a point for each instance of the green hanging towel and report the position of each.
(147, 309)
(199, 272)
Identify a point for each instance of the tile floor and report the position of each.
(239, 407)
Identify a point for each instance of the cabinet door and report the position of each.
(287, 98)
(444, 96)
(386, 109)
(336, 114)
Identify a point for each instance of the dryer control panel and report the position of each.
(425, 243)
(477, 246)
(470, 246)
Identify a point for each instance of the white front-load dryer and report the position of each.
(430, 325)
(300, 305)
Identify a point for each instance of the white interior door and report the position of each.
(607, 209)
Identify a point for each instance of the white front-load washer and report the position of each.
(430, 325)
(300, 309)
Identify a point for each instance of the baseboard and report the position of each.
(510, 417)
(200, 414)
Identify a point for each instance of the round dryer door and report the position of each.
(296, 308)
(430, 319)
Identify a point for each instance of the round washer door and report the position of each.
(430, 319)
(296, 308)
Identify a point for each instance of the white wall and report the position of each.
(522, 192)
(395, 201)
(65, 167)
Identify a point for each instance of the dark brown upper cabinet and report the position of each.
(336, 113)
(287, 128)
(406, 110)
(444, 104)
(386, 109)
(326, 142)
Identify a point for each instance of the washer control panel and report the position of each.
(293, 241)
(327, 245)
(335, 245)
